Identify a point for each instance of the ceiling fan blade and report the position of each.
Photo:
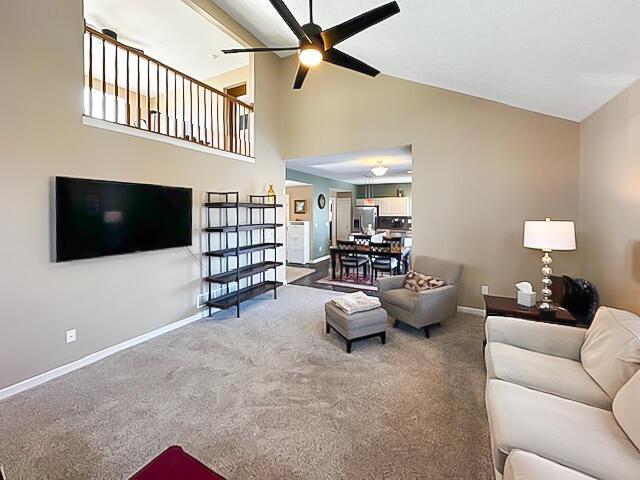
(334, 35)
(259, 49)
(300, 76)
(341, 59)
(290, 20)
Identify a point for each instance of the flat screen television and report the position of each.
(96, 218)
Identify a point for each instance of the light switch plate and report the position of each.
(484, 289)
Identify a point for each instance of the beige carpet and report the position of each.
(266, 396)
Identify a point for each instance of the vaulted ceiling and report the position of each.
(564, 57)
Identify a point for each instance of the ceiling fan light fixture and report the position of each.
(310, 57)
(379, 170)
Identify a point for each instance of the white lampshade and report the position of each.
(549, 235)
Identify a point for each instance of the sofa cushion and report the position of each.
(401, 297)
(611, 349)
(545, 373)
(573, 434)
(626, 408)
(523, 465)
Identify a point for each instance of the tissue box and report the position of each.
(527, 299)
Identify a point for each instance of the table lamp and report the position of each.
(548, 235)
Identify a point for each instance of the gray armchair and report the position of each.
(422, 309)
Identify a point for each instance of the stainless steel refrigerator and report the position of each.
(363, 216)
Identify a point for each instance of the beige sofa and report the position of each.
(564, 402)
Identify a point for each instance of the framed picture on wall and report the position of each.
(300, 206)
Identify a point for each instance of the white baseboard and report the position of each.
(320, 259)
(471, 310)
(94, 357)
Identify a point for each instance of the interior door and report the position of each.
(343, 218)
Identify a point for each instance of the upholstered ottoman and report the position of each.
(357, 326)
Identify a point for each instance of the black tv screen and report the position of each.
(95, 218)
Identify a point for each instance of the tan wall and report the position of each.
(610, 200)
(233, 78)
(480, 168)
(300, 193)
(107, 300)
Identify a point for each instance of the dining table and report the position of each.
(401, 254)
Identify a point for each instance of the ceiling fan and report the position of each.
(316, 44)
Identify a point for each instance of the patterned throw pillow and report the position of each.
(418, 282)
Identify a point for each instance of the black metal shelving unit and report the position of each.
(249, 241)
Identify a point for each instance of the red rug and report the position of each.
(175, 464)
(362, 283)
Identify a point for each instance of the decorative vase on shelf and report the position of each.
(272, 195)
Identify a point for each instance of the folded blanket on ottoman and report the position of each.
(356, 302)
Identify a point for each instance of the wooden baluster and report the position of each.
(243, 124)
(117, 93)
(191, 109)
(234, 126)
(104, 82)
(211, 95)
(218, 118)
(198, 111)
(90, 74)
(166, 97)
(139, 116)
(184, 126)
(204, 103)
(128, 98)
(157, 98)
(175, 104)
(148, 95)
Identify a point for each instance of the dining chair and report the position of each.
(381, 260)
(349, 258)
(362, 240)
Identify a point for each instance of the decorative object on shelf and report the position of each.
(547, 236)
(241, 242)
(400, 192)
(379, 170)
(271, 195)
(322, 201)
(526, 295)
(316, 45)
(300, 207)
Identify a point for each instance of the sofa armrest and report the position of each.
(390, 283)
(558, 340)
(443, 299)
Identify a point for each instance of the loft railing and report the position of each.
(127, 87)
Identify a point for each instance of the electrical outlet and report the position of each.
(71, 336)
(203, 297)
(484, 289)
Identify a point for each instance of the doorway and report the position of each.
(343, 217)
(234, 127)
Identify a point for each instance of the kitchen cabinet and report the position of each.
(391, 206)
